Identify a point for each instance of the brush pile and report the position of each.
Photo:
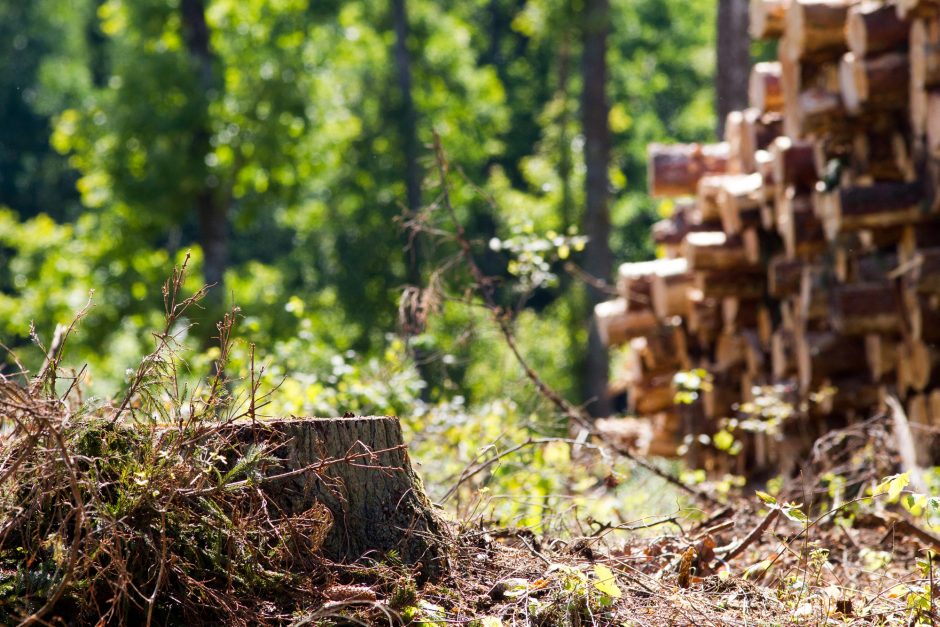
(802, 257)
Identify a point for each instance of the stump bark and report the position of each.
(376, 499)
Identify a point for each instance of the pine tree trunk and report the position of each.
(409, 130)
(597, 259)
(377, 501)
(734, 59)
(211, 209)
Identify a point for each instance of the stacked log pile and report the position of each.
(803, 253)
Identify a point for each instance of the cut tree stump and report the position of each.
(376, 499)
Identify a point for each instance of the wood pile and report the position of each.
(803, 253)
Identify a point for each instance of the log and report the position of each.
(925, 53)
(716, 250)
(747, 132)
(923, 315)
(377, 502)
(881, 353)
(765, 93)
(922, 271)
(746, 284)
(652, 395)
(704, 319)
(920, 365)
(873, 27)
(881, 82)
(933, 122)
(799, 227)
(767, 18)
(670, 291)
(730, 352)
(635, 280)
(738, 314)
(924, 57)
(882, 157)
(616, 325)
(816, 110)
(853, 396)
(815, 29)
(670, 232)
(706, 198)
(864, 308)
(794, 163)
(783, 276)
(916, 8)
(874, 206)
(663, 351)
(739, 201)
(674, 170)
(917, 237)
(783, 357)
(824, 355)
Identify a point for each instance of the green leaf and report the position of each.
(892, 485)
(766, 498)
(606, 581)
(795, 514)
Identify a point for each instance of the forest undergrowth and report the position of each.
(141, 510)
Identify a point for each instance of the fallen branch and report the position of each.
(729, 553)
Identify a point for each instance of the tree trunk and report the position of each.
(211, 209)
(598, 261)
(376, 499)
(734, 59)
(409, 129)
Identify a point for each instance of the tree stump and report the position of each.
(376, 499)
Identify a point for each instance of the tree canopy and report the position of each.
(279, 130)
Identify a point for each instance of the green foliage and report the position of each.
(116, 131)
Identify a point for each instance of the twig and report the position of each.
(485, 288)
(749, 539)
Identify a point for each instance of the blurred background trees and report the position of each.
(279, 141)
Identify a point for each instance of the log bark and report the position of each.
(875, 206)
(783, 358)
(767, 18)
(651, 395)
(783, 276)
(815, 29)
(881, 157)
(794, 163)
(917, 8)
(377, 501)
(716, 250)
(616, 325)
(765, 93)
(881, 82)
(635, 280)
(674, 170)
(864, 308)
(822, 356)
(873, 27)
(748, 284)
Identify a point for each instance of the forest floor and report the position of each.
(869, 572)
(846, 544)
